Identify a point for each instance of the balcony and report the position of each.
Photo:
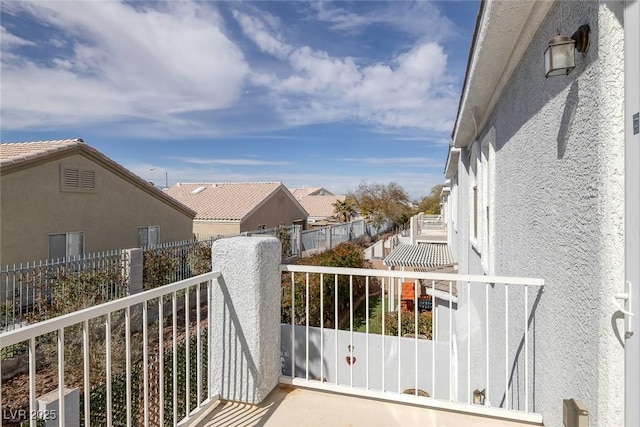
(220, 349)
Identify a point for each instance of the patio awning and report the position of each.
(427, 255)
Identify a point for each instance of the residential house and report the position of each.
(235, 207)
(321, 209)
(538, 189)
(299, 193)
(64, 198)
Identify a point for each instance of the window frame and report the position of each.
(474, 172)
(67, 243)
(148, 235)
(487, 206)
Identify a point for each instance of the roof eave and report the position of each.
(502, 35)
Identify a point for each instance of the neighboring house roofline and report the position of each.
(503, 32)
(451, 166)
(77, 146)
(275, 190)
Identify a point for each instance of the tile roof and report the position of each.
(299, 193)
(13, 153)
(320, 206)
(229, 201)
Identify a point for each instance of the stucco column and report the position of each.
(246, 318)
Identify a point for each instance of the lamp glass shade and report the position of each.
(559, 58)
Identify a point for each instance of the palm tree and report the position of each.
(344, 209)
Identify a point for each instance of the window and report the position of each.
(474, 163)
(148, 236)
(488, 186)
(77, 179)
(66, 245)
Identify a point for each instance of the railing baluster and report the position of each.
(335, 326)
(450, 341)
(384, 315)
(145, 362)
(306, 290)
(87, 376)
(32, 381)
(506, 346)
(174, 303)
(321, 327)
(434, 331)
(161, 359)
(108, 368)
(61, 402)
(351, 329)
(415, 315)
(127, 337)
(526, 349)
(399, 307)
(209, 339)
(486, 320)
(366, 291)
(199, 348)
(293, 325)
(468, 343)
(187, 351)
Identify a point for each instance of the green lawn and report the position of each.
(376, 304)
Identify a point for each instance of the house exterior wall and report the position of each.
(33, 206)
(278, 209)
(558, 210)
(203, 229)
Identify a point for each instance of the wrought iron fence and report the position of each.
(40, 289)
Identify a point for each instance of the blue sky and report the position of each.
(308, 93)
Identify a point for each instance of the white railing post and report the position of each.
(246, 313)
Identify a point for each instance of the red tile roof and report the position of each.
(230, 201)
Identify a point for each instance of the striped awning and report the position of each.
(426, 255)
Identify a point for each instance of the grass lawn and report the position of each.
(376, 304)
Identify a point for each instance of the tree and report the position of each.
(431, 204)
(344, 209)
(382, 202)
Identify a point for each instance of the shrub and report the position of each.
(407, 320)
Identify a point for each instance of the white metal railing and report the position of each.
(151, 329)
(332, 338)
(431, 223)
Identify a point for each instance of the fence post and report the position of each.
(245, 306)
(133, 269)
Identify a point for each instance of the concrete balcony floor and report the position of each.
(292, 406)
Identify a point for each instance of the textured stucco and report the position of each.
(558, 215)
(33, 206)
(246, 308)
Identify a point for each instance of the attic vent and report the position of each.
(198, 190)
(76, 179)
(71, 179)
(88, 180)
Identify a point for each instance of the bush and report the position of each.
(407, 319)
(345, 255)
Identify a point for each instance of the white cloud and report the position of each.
(404, 161)
(9, 40)
(256, 29)
(127, 61)
(230, 162)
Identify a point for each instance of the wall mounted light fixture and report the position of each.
(559, 57)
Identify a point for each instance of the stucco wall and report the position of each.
(34, 207)
(558, 212)
(203, 229)
(275, 211)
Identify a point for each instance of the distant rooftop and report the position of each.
(223, 201)
(320, 206)
(302, 192)
(17, 152)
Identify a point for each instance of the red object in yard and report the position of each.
(408, 296)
